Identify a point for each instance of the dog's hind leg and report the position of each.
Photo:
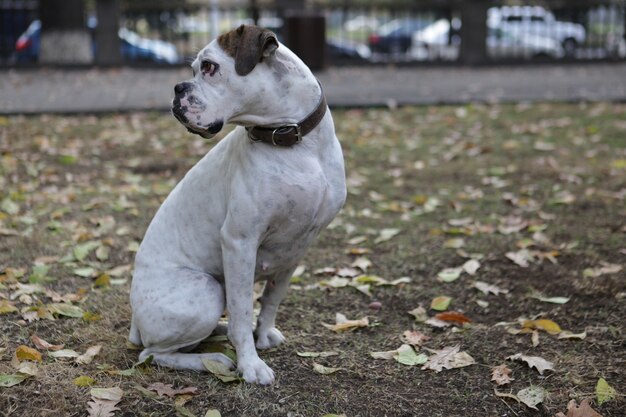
(180, 360)
(174, 316)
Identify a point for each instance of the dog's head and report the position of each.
(224, 80)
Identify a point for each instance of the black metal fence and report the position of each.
(358, 32)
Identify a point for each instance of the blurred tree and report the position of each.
(107, 40)
(64, 35)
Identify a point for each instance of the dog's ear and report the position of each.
(248, 45)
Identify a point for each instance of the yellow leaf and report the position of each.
(84, 381)
(440, 303)
(103, 280)
(604, 391)
(543, 324)
(25, 353)
(7, 307)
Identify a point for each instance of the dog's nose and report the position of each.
(180, 88)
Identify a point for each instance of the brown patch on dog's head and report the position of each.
(248, 45)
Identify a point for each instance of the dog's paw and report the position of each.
(256, 372)
(269, 339)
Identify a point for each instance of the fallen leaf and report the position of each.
(168, 390)
(343, 324)
(82, 250)
(536, 362)
(221, 371)
(553, 300)
(88, 356)
(86, 272)
(449, 274)
(388, 355)
(532, 396)
(386, 234)
(101, 408)
(448, 358)
(348, 272)
(64, 353)
(604, 392)
(316, 354)
(362, 263)
(25, 353)
(213, 413)
(42, 344)
(65, 309)
(606, 268)
(7, 307)
(7, 380)
(406, 355)
(584, 410)
(108, 394)
(486, 288)
(501, 374)
(506, 395)
(84, 381)
(324, 370)
(521, 257)
(454, 243)
(453, 316)
(419, 313)
(565, 334)
(440, 303)
(471, 266)
(414, 337)
(542, 324)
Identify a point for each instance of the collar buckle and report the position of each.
(286, 129)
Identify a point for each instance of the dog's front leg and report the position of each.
(239, 257)
(267, 335)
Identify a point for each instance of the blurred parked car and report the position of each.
(522, 21)
(434, 42)
(133, 47)
(361, 23)
(341, 49)
(394, 37)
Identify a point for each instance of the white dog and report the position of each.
(246, 212)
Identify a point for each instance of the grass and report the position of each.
(561, 168)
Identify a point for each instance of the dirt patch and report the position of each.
(474, 173)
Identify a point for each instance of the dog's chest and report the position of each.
(300, 215)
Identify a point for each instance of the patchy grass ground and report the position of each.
(544, 183)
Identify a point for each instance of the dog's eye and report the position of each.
(208, 67)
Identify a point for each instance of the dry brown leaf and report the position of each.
(501, 374)
(582, 410)
(42, 344)
(103, 401)
(448, 358)
(101, 408)
(414, 337)
(536, 362)
(453, 316)
(88, 356)
(343, 324)
(169, 391)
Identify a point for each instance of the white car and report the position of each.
(522, 21)
(434, 42)
(504, 44)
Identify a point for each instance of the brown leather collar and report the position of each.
(289, 135)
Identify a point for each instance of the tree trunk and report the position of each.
(474, 31)
(64, 37)
(107, 40)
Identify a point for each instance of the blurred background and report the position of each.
(323, 32)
